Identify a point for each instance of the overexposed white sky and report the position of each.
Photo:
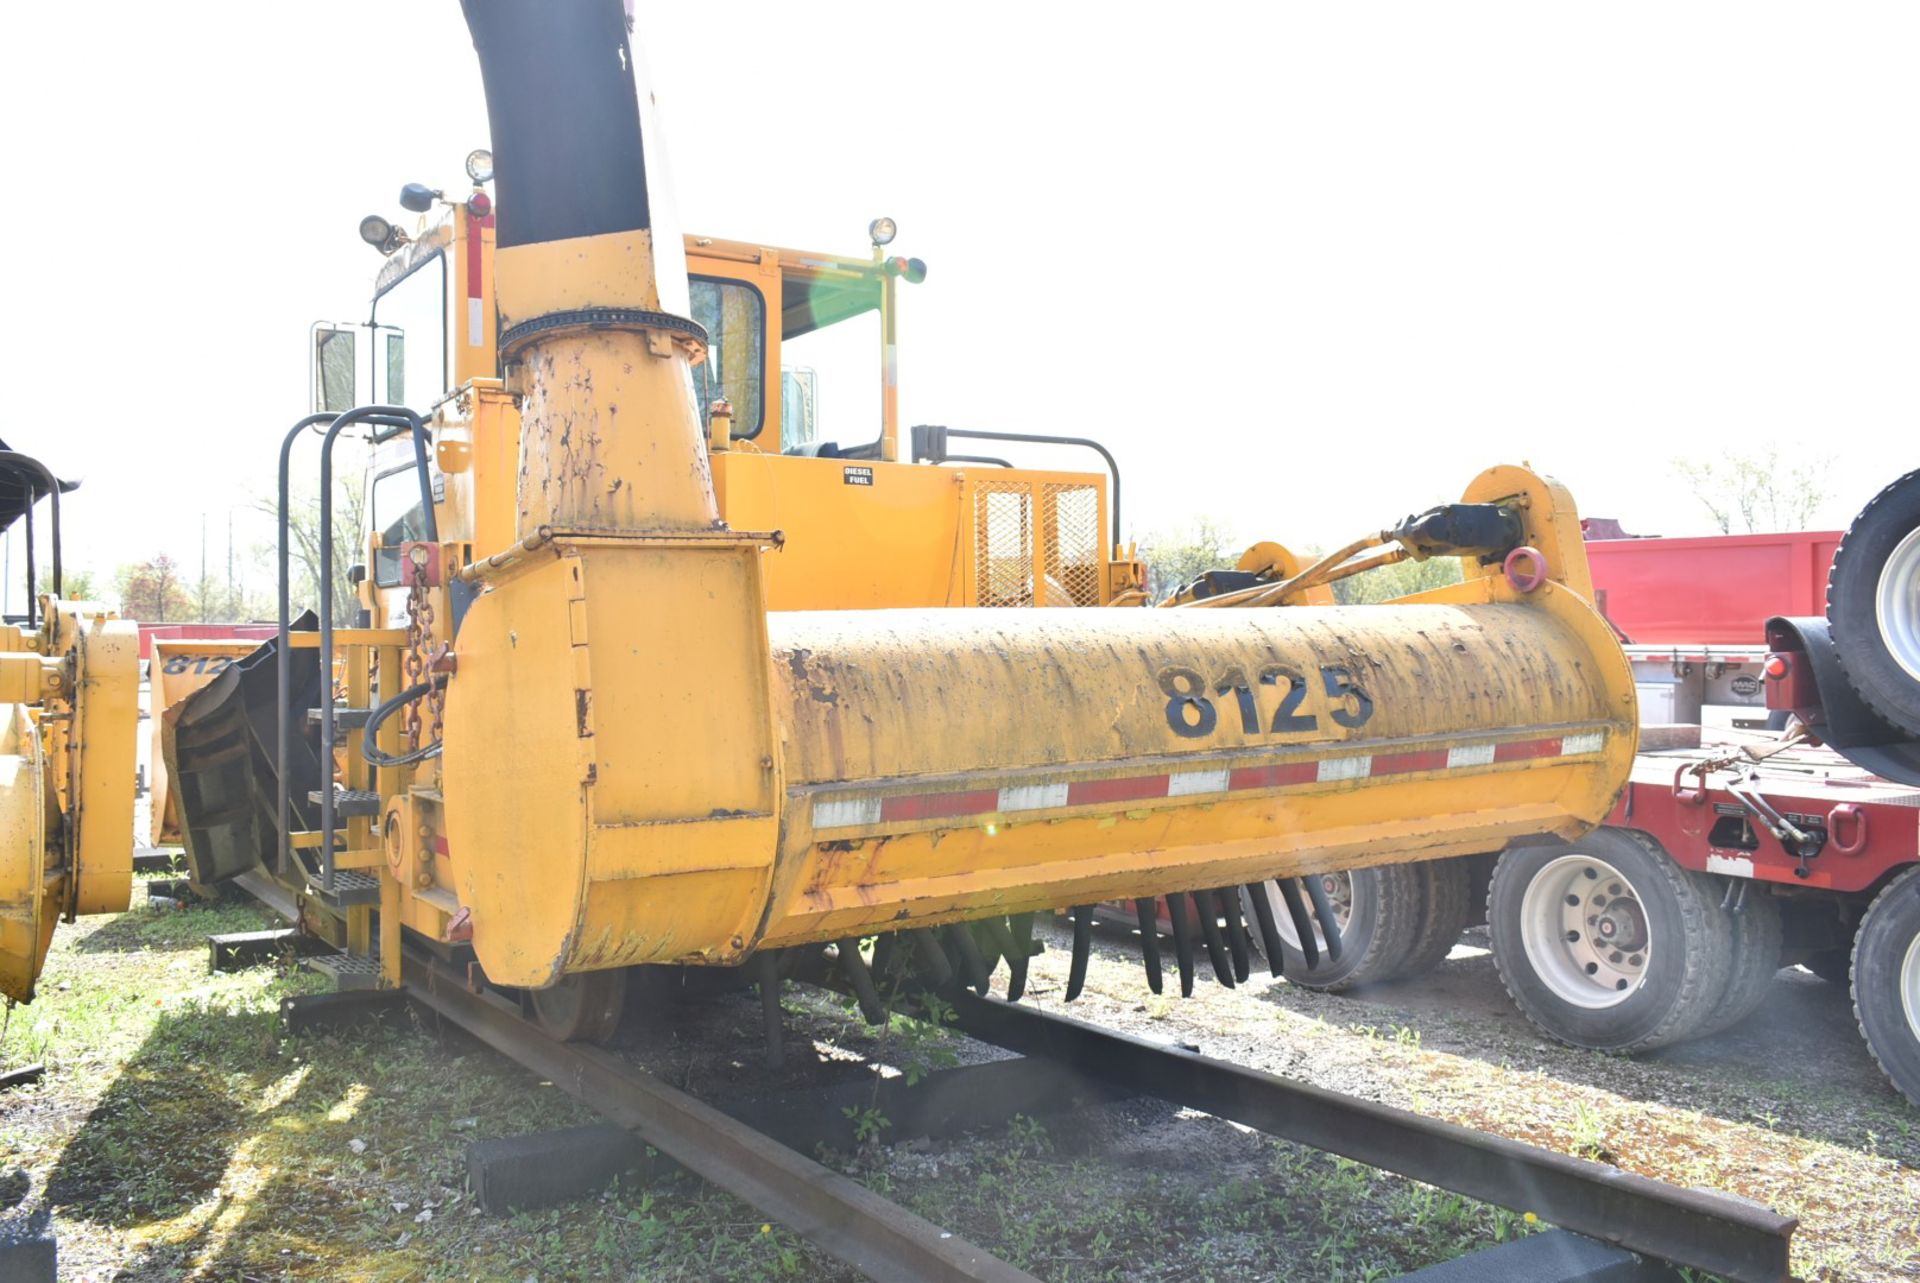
(1304, 267)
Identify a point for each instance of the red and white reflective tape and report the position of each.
(867, 809)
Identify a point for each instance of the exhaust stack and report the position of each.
(591, 276)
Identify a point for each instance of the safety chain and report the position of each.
(419, 663)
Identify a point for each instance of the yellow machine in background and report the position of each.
(177, 668)
(69, 702)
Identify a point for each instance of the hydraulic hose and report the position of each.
(372, 753)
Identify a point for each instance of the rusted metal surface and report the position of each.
(1020, 689)
(1727, 1236)
(844, 1219)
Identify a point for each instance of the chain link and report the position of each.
(420, 657)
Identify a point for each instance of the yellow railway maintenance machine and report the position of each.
(593, 745)
(70, 700)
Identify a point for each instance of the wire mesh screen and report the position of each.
(1003, 543)
(1072, 514)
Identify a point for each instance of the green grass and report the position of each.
(179, 1132)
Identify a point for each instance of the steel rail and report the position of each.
(839, 1216)
(1699, 1228)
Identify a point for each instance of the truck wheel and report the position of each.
(1445, 906)
(1606, 943)
(1886, 981)
(1377, 910)
(1873, 603)
(1757, 935)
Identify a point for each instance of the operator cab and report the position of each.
(801, 350)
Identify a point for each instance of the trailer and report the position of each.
(1737, 846)
(1690, 613)
(1721, 863)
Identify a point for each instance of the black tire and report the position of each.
(1381, 923)
(1886, 962)
(1445, 906)
(1835, 966)
(1853, 585)
(1688, 949)
(1757, 936)
(583, 1007)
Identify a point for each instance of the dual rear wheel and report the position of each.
(1395, 920)
(1607, 943)
(1886, 981)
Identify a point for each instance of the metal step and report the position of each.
(348, 970)
(344, 718)
(348, 803)
(350, 887)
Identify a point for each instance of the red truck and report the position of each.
(1732, 852)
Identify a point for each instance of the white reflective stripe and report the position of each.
(1734, 866)
(474, 318)
(1033, 797)
(1344, 768)
(1585, 742)
(1187, 783)
(845, 810)
(1470, 755)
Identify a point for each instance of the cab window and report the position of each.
(734, 316)
(830, 381)
(410, 367)
(397, 518)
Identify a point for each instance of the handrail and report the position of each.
(1035, 438)
(387, 415)
(30, 467)
(283, 657)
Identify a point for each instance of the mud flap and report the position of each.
(1843, 720)
(220, 745)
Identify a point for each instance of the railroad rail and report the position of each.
(1730, 1237)
(841, 1217)
(1698, 1228)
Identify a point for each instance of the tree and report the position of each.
(75, 584)
(151, 591)
(1401, 579)
(303, 546)
(1177, 557)
(1760, 490)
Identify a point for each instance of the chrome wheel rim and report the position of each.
(1896, 604)
(1585, 932)
(1339, 889)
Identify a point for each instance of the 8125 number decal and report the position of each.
(207, 664)
(1192, 713)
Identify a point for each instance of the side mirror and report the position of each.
(334, 369)
(357, 573)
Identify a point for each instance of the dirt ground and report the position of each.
(179, 1135)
